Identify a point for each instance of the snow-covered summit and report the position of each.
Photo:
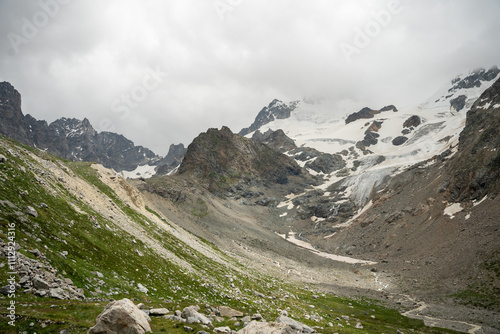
(275, 110)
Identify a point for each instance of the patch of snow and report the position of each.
(291, 238)
(476, 203)
(144, 171)
(453, 209)
(485, 106)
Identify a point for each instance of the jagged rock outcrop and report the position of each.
(275, 110)
(172, 160)
(458, 103)
(277, 140)
(318, 161)
(220, 158)
(371, 137)
(69, 138)
(474, 79)
(368, 113)
(412, 121)
(475, 170)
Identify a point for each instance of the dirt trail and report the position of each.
(460, 326)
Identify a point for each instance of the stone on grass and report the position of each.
(192, 315)
(142, 288)
(228, 312)
(40, 284)
(57, 293)
(123, 317)
(31, 211)
(156, 312)
(266, 328)
(294, 324)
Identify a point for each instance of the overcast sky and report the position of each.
(162, 71)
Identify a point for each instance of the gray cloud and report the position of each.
(221, 61)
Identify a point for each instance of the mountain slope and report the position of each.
(82, 227)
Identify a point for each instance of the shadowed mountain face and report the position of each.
(474, 171)
(69, 138)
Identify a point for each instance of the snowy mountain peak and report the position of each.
(375, 144)
(462, 91)
(275, 110)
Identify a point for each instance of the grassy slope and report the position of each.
(112, 252)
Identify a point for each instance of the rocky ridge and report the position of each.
(367, 113)
(68, 138)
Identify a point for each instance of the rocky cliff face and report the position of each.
(474, 171)
(71, 139)
(220, 159)
(172, 160)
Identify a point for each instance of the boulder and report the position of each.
(294, 324)
(156, 312)
(40, 284)
(5, 290)
(57, 293)
(266, 328)
(228, 312)
(2, 158)
(142, 288)
(122, 317)
(192, 315)
(31, 211)
(24, 280)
